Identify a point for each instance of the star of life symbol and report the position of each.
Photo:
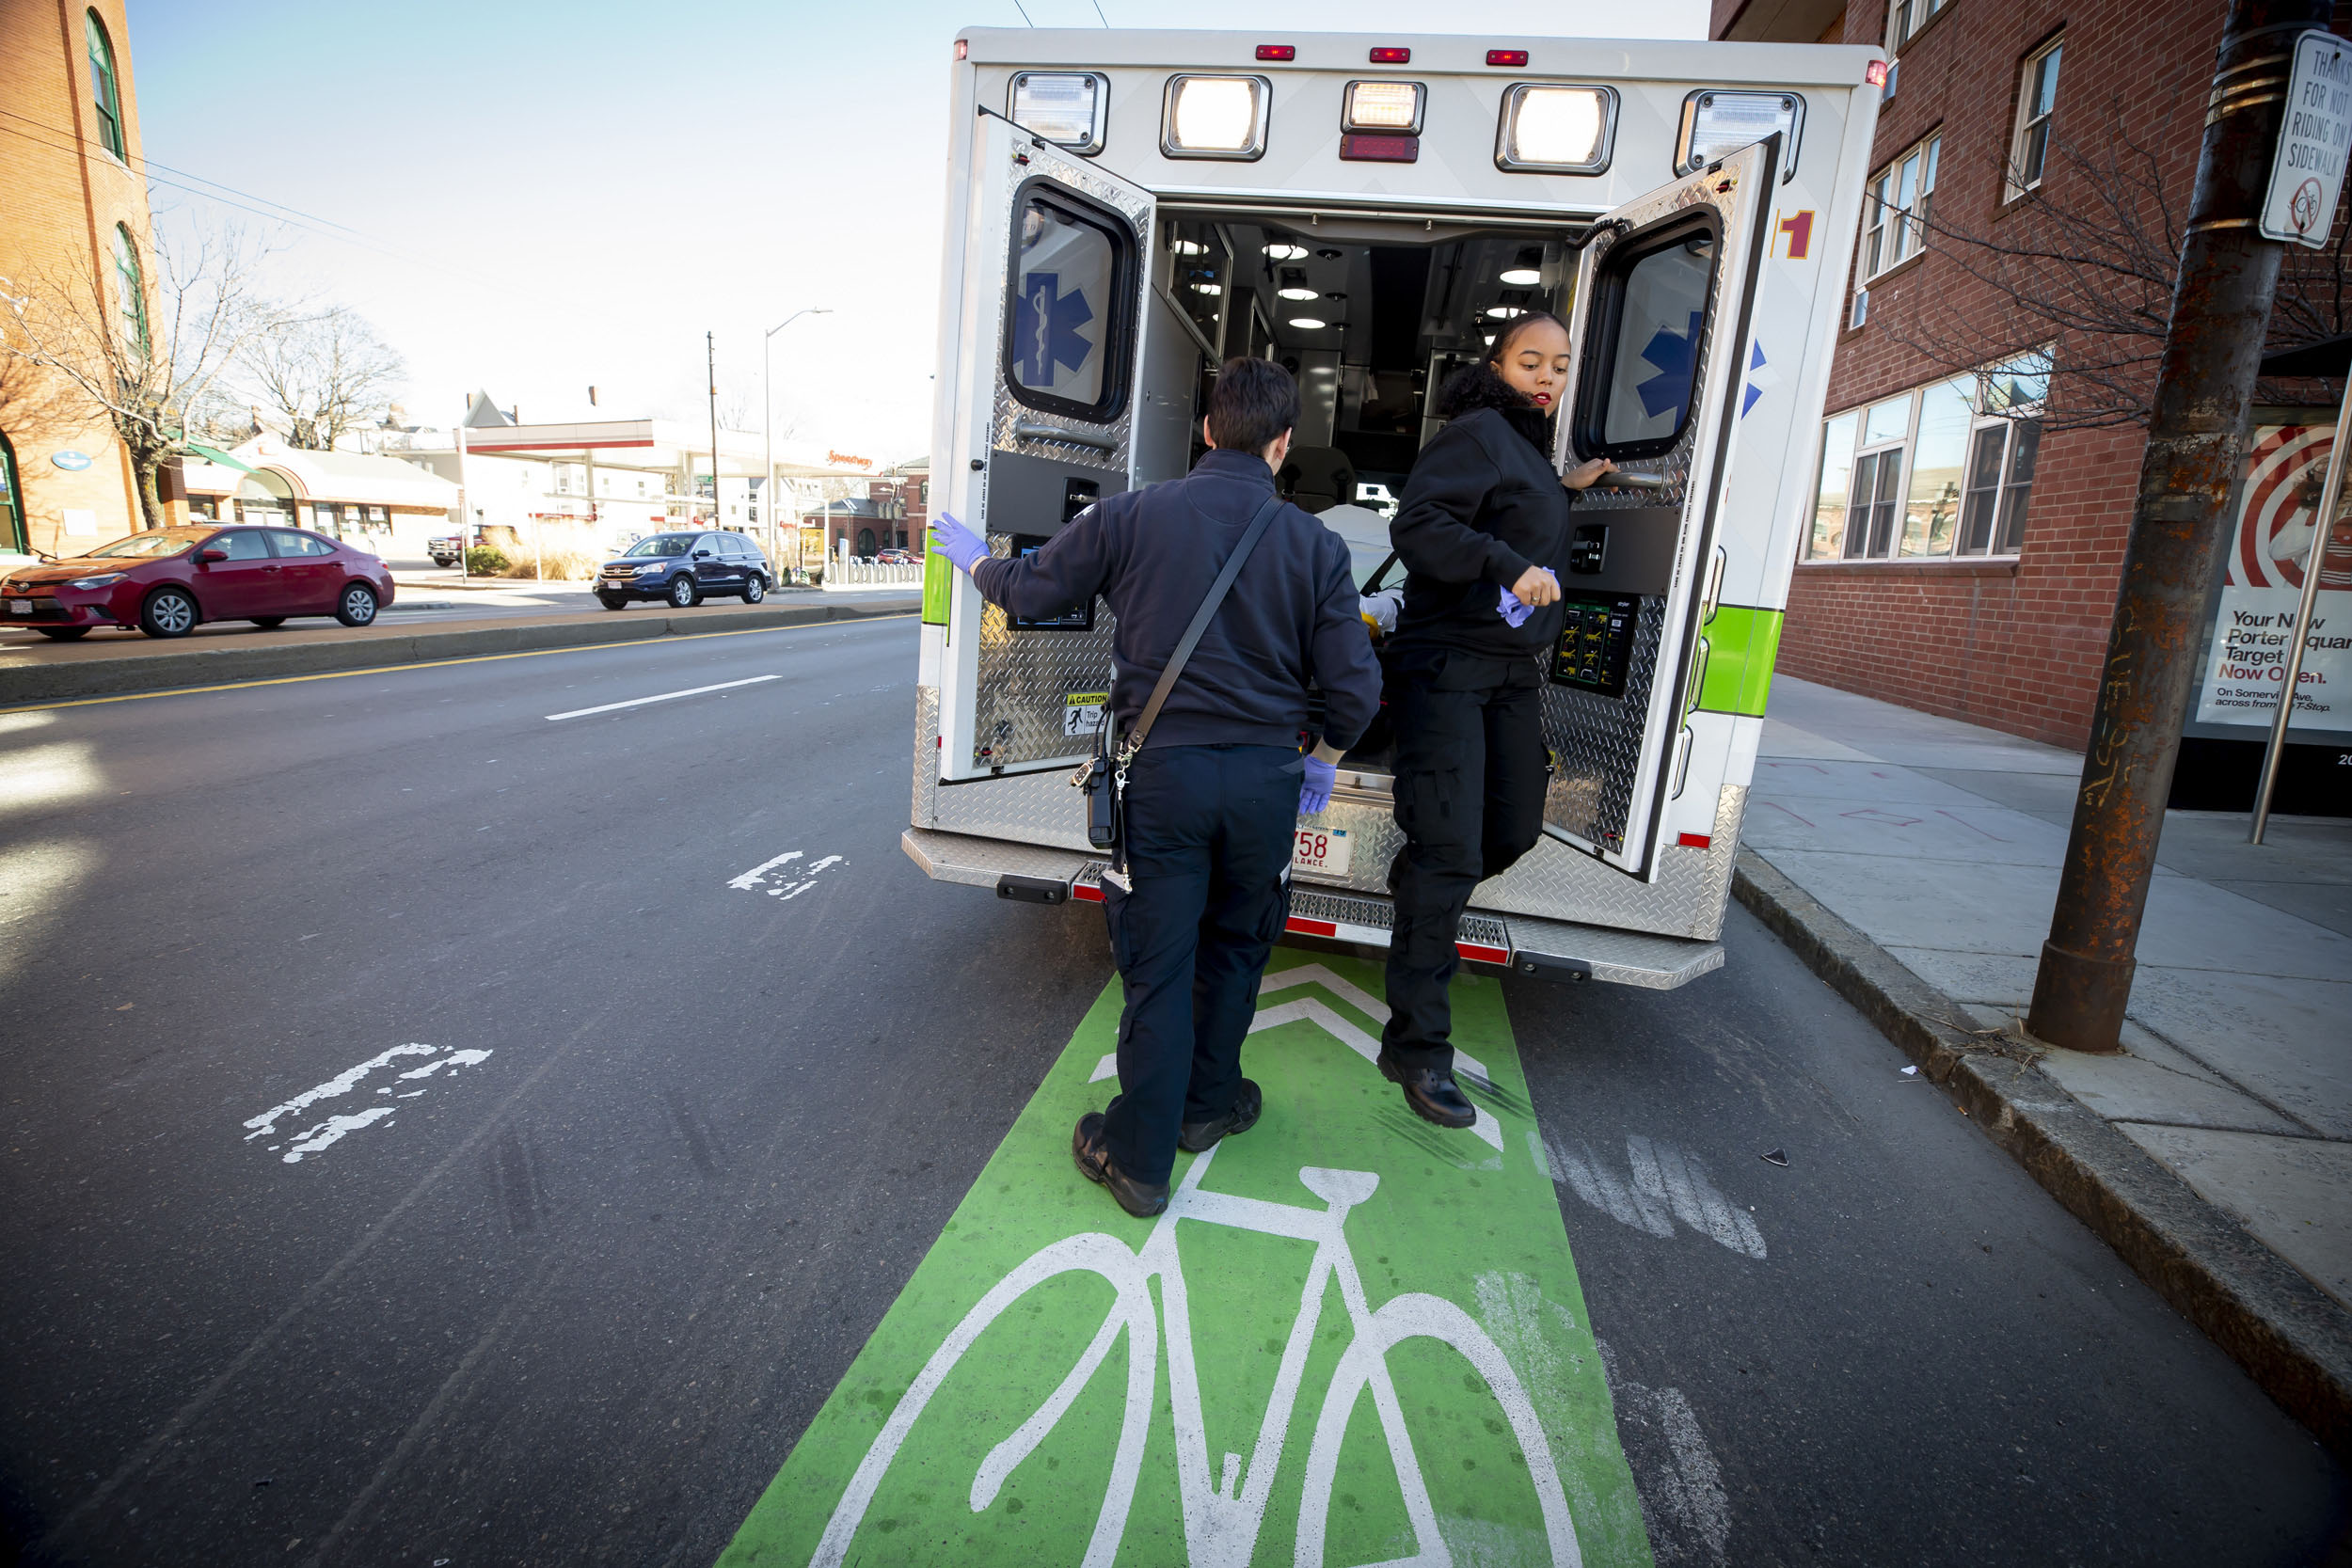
(1046, 329)
(1676, 356)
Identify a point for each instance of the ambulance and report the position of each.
(1127, 210)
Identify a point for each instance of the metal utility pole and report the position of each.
(768, 423)
(710, 353)
(464, 504)
(2197, 436)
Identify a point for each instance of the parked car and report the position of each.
(443, 548)
(894, 558)
(167, 582)
(686, 568)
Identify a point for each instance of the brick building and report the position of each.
(74, 231)
(1966, 549)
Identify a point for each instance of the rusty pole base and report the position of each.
(2078, 1002)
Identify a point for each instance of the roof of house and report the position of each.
(350, 476)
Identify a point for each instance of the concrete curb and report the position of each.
(2291, 1337)
(30, 684)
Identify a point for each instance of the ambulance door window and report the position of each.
(1067, 328)
(1648, 323)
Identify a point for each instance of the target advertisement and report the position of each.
(2276, 540)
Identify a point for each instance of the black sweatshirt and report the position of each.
(1482, 505)
(1292, 615)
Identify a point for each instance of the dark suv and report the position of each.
(686, 568)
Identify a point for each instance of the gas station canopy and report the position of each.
(667, 446)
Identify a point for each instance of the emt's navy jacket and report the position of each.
(1483, 505)
(1292, 615)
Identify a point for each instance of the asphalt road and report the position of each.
(671, 1147)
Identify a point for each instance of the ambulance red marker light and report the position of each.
(1480, 953)
(1278, 52)
(1506, 56)
(1380, 149)
(1694, 841)
(1086, 893)
(1392, 56)
(1310, 927)
(1875, 74)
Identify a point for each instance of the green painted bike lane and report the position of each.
(1353, 1338)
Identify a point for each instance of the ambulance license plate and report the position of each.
(1322, 850)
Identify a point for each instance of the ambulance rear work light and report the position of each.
(1715, 124)
(1065, 107)
(1391, 107)
(1215, 117)
(1548, 129)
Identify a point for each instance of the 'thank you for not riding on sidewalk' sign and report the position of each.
(2306, 171)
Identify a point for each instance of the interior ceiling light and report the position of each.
(1502, 312)
(1215, 117)
(1208, 288)
(1307, 324)
(1191, 247)
(1282, 250)
(1297, 294)
(1522, 277)
(1555, 129)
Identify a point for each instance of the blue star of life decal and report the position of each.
(1675, 355)
(1754, 389)
(1046, 327)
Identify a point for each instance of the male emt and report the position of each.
(1212, 801)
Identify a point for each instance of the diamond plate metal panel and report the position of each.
(978, 862)
(1596, 742)
(1620, 957)
(1026, 680)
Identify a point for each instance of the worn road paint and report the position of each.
(1665, 1184)
(1686, 1511)
(664, 697)
(1361, 1340)
(755, 880)
(324, 1134)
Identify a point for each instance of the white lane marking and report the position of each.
(664, 697)
(324, 1134)
(1663, 1184)
(1681, 1491)
(754, 879)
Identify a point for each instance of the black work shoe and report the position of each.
(1142, 1199)
(1431, 1093)
(1199, 1137)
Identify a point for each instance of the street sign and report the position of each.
(73, 461)
(2307, 170)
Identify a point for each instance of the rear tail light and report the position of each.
(1379, 150)
(1392, 56)
(1215, 117)
(1278, 52)
(1506, 56)
(1715, 124)
(1393, 106)
(1065, 107)
(1556, 130)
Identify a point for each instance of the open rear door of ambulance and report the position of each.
(1660, 331)
(1055, 276)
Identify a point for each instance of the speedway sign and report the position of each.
(2307, 170)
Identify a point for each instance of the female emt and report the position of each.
(1483, 530)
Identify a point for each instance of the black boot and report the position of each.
(1142, 1199)
(1196, 1137)
(1431, 1092)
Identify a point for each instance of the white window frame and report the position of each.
(1899, 19)
(1899, 447)
(2032, 118)
(1891, 216)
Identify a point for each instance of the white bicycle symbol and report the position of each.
(1221, 1521)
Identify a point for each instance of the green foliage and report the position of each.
(484, 561)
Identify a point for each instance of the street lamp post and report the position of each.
(767, 421)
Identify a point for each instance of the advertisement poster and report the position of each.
(2263, 589)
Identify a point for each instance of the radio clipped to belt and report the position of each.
(1104, 776)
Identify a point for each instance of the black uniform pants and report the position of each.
(1469, 795)
(1210, 832)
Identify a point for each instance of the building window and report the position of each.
(103, 87)
(1897, 208)
(1940, 473)
(12, 534)
(1904, 17)
(129, 291)
(2037, 96)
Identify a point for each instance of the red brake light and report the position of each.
(1506, 56)
(1392, 56)
(1278, 52)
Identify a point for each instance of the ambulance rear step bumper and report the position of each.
(1541, 949)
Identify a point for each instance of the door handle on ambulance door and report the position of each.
(1620, 479)
(1029, 430)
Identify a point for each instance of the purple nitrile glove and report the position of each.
(957, 543)
(1315, 793)
(1507, 605)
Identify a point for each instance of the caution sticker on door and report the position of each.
(1322, 850)
(1082, 712)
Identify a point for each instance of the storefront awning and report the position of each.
(217, 457)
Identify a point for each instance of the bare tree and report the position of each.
(324, 373)
(2084, 266)
(142, 359)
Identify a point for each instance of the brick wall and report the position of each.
(2016, 645)
(66, 192)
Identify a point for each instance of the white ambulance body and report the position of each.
(1127, 210)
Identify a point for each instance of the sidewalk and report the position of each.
(1940, 842)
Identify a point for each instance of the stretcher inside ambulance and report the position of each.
(1128, 210)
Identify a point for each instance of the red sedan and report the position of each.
(166, 580)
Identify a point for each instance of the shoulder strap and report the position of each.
(1200, 619)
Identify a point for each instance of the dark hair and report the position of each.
(1253, 402)
(1504, 339)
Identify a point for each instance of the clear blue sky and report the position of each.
(550, 196)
